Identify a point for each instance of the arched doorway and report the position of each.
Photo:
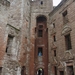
(40, 71)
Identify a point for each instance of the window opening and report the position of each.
(54, 37)
(0, 70)
(54, 52)
(70, 70)
(40, 33)
(40, 51)
(41, 2)
(68, 42)
(9, 44)
(55, 69)
(65, 17)
(53, 25)
(61, 72)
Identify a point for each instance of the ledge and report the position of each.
(13, 27)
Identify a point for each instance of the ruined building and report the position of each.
(37, 39)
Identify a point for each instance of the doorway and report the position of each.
(40, 71)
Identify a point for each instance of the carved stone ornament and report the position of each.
(12, 31)
(61, 65)
(68, 56)
(54, 61)
(53, 46)
(65, 30)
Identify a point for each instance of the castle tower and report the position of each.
(39, 36)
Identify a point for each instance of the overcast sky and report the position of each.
(56, 2)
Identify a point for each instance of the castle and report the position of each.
(37, 38)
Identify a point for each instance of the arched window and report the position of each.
(41, 18)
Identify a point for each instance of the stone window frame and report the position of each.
(41, 54)
(7, 47)
(65, 16)
(40, 33)
(54, 38)
(67, 43)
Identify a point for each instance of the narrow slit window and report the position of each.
(54, 52)
(53, 25)
(54, 37)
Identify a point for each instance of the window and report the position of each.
(53, 25)
(23, 72)
(40, 52)
(9, 44)
(68, 42)
(55, 70)
(61, 72)
(40, 33)
(54, 52)
(54, 37)
(70, 70)
(0, 70)
(41, 2)
(65, 13)
(65, 17)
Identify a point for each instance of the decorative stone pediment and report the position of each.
(66, 30)
(54, 61)
(12, 30)
(68, 56)
(61, 65)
